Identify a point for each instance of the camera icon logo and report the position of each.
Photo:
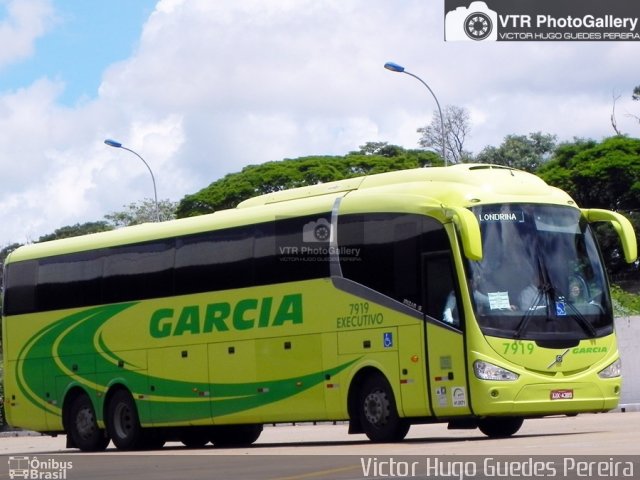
(475, 22)
(316, 231)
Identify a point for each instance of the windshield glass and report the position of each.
(541, 277)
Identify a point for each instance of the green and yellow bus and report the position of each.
(473, 295)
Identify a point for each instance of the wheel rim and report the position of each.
(376, 408)
(123, 420)
(85, 423)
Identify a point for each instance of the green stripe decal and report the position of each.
(50, 355)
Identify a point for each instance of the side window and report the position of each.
(388, 247)
(293, 249)
(20, 288)
(440, 291)
(441, 296)
(70, 281)
(217, 260)
(138, 271)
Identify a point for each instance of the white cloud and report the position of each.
(214, 86)
(26, 21)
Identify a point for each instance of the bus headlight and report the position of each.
(612, 371)
(489, 371)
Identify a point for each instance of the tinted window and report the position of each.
(289, 249)
(138, 272)
(293, 249)
(385, 249)
(217, 260)
(20, 287)
(70, 280)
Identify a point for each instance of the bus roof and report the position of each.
(482, 182)
(460, 185)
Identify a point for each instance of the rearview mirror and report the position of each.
(622, 226)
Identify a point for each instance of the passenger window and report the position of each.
(390, 248)
(441, 296)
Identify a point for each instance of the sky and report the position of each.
(202, 88)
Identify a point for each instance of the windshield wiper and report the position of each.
(548, 291)
(580, 319)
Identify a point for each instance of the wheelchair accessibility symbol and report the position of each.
(387, 339)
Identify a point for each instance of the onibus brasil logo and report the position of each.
(40, 469)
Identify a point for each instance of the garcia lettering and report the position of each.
(244, 315)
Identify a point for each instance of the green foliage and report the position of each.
(520, 151)
(75, 231)
(270, 177)
(598, 175)
(625, 303)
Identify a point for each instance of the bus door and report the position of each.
(445, 346)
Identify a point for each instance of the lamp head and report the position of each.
(394, 67)
(113, 143)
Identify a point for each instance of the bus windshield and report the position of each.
(541, 276)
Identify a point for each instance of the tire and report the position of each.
(378, 413)
(123, 423)
(500, 427)
(235, 435)
(83, 428)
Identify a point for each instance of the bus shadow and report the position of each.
(175, 446)
(355, 442)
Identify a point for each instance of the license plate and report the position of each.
(561, 394)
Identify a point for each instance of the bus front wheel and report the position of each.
(123, 423)
(83, 428)
(500, 427)
(378, 413)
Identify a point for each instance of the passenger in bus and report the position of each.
(577, 290)
(450, 313)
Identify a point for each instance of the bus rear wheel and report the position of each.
(378, 413)
(500, 427)
(123, 423)
(83, 428)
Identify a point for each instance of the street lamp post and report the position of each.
(115, 144)
(394, 67)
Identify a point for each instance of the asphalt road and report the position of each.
(326, 451)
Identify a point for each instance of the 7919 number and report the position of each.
(518, 348)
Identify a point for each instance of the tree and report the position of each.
(75, 231)
(379, 148)
(142, 212)
(520, 151)
(270, 177)
(456, 126)
(600, 175)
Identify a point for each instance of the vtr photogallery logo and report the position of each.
(541, 20)
(475, 22)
